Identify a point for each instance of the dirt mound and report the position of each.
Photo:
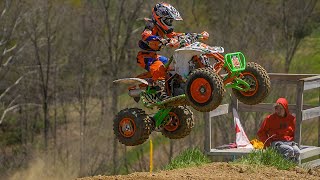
(219, 171)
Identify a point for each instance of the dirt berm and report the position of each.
(219, 171)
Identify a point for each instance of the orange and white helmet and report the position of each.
(163, 15)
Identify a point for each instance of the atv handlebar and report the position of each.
(185, 39)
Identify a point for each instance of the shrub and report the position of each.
(267, 157)
(188, 158)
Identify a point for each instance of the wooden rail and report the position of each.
(303, 112)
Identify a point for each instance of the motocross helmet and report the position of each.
(163, 15)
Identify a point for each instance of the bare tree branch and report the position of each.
(130, 28)
(108, 38)
(6, 63)
(5, 51)
(10, 87)
(15, 107)
(5, 9)
(8, 30)
(13, 101)
(118, 27)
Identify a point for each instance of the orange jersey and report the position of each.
(151, 37)
(151, 42)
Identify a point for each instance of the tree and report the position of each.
(295, 17)
(10, 47)
(117, 31)
(43, 25)
(83, 54)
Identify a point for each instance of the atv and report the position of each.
(197, 76)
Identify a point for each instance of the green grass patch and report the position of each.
(306, 60)
(188, 158)
(267, 157)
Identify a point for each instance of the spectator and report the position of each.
(277, 130)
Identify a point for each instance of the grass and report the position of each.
(267, 157)
(306, 59)
(188, 158)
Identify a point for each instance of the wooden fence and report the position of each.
(303, 112)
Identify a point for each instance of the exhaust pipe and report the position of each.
(134, 92)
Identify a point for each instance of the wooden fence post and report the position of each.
(207, 132)
(297, 135)
(319, 121)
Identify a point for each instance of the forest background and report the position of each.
(58, 59)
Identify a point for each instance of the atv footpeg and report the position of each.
(158, 129)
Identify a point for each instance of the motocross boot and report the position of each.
(160, 86)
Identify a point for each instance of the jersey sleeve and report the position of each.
(174, 34)
(151, 40)
(262, 132)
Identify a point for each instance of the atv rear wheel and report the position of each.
(204, 90)
(180, 124)
(259, 82)
(132, 126)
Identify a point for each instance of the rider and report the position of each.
(158, 32)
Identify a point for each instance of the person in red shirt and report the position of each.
(277, 130)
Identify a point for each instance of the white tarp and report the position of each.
(242, 140)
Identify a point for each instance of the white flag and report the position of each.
(242, 140)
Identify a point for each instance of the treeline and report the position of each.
(58, 59)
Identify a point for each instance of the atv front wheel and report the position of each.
(204, 90)
(257, 77)
(180, 124)
(132, 126)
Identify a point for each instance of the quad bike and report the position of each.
(196, 76)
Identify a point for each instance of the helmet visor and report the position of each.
(168, 21)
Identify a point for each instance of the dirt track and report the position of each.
(219, 171)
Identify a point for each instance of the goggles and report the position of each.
(168, 21)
